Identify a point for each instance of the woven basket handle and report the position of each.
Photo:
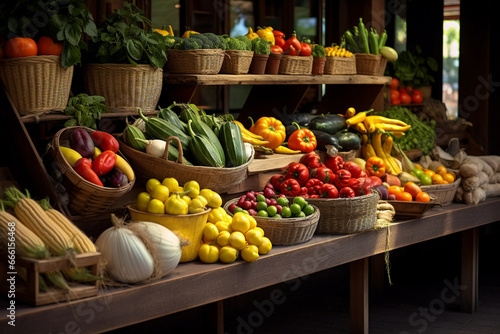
(180, 158)
(227, 55)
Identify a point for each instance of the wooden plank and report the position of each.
(470, 268)
(269, 79)
(268, 162)
(192, 284)
(359, 296)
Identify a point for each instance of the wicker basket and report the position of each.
(202, 61)
(36, 84)
(217, 179)
(340, 65)
(346, 215)
(368, 64)
(124, 86)
(296, 65)
(444, 194)
(85, 198)
(236, 62)
(286, 231)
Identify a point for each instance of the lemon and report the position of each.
(237, 240)
(160, 192)
(151, 184)
(171, 183)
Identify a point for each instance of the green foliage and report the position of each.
(318, 50)
(65, 22)
(122, 38)
(261, 46)
(246, 41)
(414, 69)
(86, 110)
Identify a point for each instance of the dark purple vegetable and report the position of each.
(82, 142)
(115, 178)
(382, 191)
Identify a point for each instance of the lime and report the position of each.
(308, 209)
(272, 210)
(417, 172)
(276, 216)
(300, 201)
(261, 198)
(295, 208)
(262, 213)
(286, 212)
(425, 180)
(301, 214)
(237, 209)
(283, 201)
(261, 206)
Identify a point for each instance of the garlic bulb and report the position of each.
(127, 258)
(165, 243)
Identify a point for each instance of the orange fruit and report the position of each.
(394, 190)
(404, 196)
(449, 177)
(423, 197)
(437, 179)
(412, 188)
(429, 172)
(419, 166)
(441, 170)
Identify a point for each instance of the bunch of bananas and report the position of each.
(337, 51)
(379, 144)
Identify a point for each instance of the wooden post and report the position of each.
(359, 296)
(470, 250)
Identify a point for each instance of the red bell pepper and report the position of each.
(325, 174)
(329, 191)
(314, 186)
(279, 41)
(104, 162)
(342, 178)
(83, 167)
(278, 33)
(276, 49)
(291, 51)
(297, 171)
(360, 185)
(302, 192)
(346, 192)
(303, 140)
(376, 181)
(105, 141)
(290, 187)
(311, 160)
(276, 180)
(334, 163)
(314, 196)
(353, 168)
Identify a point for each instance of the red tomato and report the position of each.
(405, 98)
(416, 91)
(409, 89)
(416, 98)
(402, 90)
(20, 47)
(394, 83)
(394, 94)
(395, 102)
(46, 46)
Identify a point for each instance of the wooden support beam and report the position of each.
(469, 279)
(359, 296)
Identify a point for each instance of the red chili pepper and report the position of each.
(292, 42)
(314, 186)
(334, 163)
(325, 174)
(346, 192)
(329, 191)
(290, 187)
(353, 168)
(276, 49)
(311, 160)
(342, 178)
(276, 180)
(297, 171)
(104, 162)
(83, 167)
(279, 41)
(105, 141)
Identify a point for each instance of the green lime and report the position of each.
(425, 180)
(262, 213)
(237, 209)
(261, 198)
(261, 206)
(276, 216)
(308, 209)
(246, 212)
(295, 208)
(272, 210)
(300, 201)
(286, 212)
(417, 172)
(301, 214)
(283, 201)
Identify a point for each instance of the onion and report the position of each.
(382, 192)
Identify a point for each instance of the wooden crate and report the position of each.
(29, 291)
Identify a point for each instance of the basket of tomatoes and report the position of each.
(33, 77)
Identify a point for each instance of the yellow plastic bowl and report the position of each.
(188, 227)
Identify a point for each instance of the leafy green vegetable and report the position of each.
(187, 43)
(218, 41)
(261, 46)
(246, 41)
(86, 110)
(204, 41)
(414, 69)
(318, 50)
(122, 39)
(64, 21)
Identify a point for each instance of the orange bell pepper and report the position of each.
(375, 166)
(271, 129)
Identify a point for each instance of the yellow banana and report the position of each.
(124, 167)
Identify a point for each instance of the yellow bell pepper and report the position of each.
(175, 205)
(267, 34)
(251, 35)
(272, 130)
(165, 32)
(193, 187)
(208, 253)
(196, 205)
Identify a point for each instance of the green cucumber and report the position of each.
(131, 136)
(232, 142)
(204, 150)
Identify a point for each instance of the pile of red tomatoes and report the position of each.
(403, 95)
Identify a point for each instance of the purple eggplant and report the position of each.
(115, 177)
(82, 142)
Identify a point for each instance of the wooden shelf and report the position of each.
(280, 79)
(60, 117)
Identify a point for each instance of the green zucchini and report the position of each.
(348, 140)
(131, 134)
(323, 139)
(203, 149)
(170, 115)
(158, 128)
(232, 142)
(328, 123)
